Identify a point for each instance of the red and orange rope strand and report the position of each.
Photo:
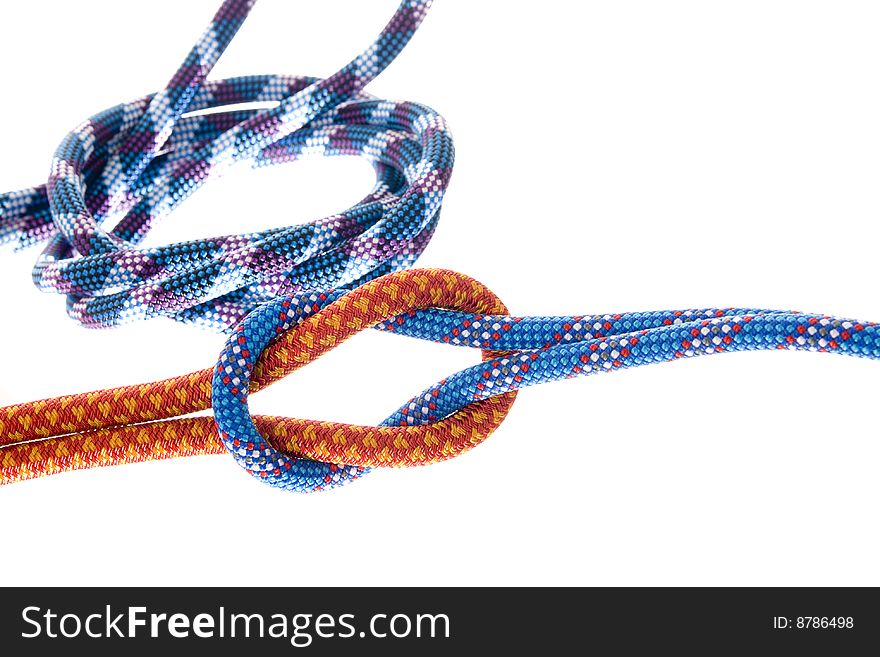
(131, 423)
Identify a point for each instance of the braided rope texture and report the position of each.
(136, 162)
(128, 424)
(284, 294)
(443, 421)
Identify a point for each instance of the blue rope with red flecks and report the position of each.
(539, 350)
(136, 162)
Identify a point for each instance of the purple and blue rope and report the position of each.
(133, 164)
(136, 162)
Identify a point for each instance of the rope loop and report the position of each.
(134, 163)
(314, 334)
(134, 423)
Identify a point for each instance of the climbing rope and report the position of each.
(286, 296)
(136, 162)
(130, 424)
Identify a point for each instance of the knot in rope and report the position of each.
(142, 422)
(322, 322)
(134, 423)
(288, 295)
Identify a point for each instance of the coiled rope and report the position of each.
(136, 162)
(273, 290)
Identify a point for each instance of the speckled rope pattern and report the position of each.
(272, 290)
(128, 424)
(136, 162)
(535, 350)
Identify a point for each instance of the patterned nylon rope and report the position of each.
(287, 295)
(533, 350)
(128, 424)
(303, 455)
(136, 162)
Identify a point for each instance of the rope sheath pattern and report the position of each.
(128, 424)
(125, 425)
(136, 162)
(287, 295)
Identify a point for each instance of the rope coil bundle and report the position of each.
(286, 296)
(136, 162)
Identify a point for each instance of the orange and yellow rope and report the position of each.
(133, 423)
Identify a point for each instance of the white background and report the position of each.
(611, 156)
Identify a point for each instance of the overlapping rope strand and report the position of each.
(124, 425)
(451, 416)
(136, 162)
